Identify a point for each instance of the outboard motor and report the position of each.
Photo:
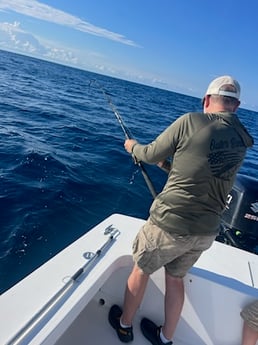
(239, 226)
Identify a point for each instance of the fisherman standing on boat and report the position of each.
(207, 150)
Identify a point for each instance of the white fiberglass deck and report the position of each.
(89, 332)
(92, 326)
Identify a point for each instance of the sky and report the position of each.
(177, 45)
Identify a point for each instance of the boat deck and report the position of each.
(87, 331)
(196, 326)
(220, 284)
(97, 332)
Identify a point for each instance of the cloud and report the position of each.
(44, 12)
(14, 38)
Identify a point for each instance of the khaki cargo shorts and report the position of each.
(154, 248)
(250, 315)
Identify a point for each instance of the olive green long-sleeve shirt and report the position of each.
(207, 151)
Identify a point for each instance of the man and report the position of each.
(250, 328)
(207, 149)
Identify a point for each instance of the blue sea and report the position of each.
(63, 167)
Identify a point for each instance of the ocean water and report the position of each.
(63, 167)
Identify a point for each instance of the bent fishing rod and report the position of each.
(128, 136)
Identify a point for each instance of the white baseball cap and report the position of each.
(215, 87)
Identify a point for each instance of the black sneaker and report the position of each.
(152, 332)
(124, 334)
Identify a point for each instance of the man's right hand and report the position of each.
(128, 145)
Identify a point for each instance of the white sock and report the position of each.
(163, 338)
(124, 326)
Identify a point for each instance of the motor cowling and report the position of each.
(239, 226)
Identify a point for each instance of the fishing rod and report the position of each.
(128, 135)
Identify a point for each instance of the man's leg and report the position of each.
(134, 292)
(174, 300)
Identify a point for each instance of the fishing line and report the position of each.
(128, 135)
(133, 176)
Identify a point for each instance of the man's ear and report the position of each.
(238, 104)
(206, 101)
